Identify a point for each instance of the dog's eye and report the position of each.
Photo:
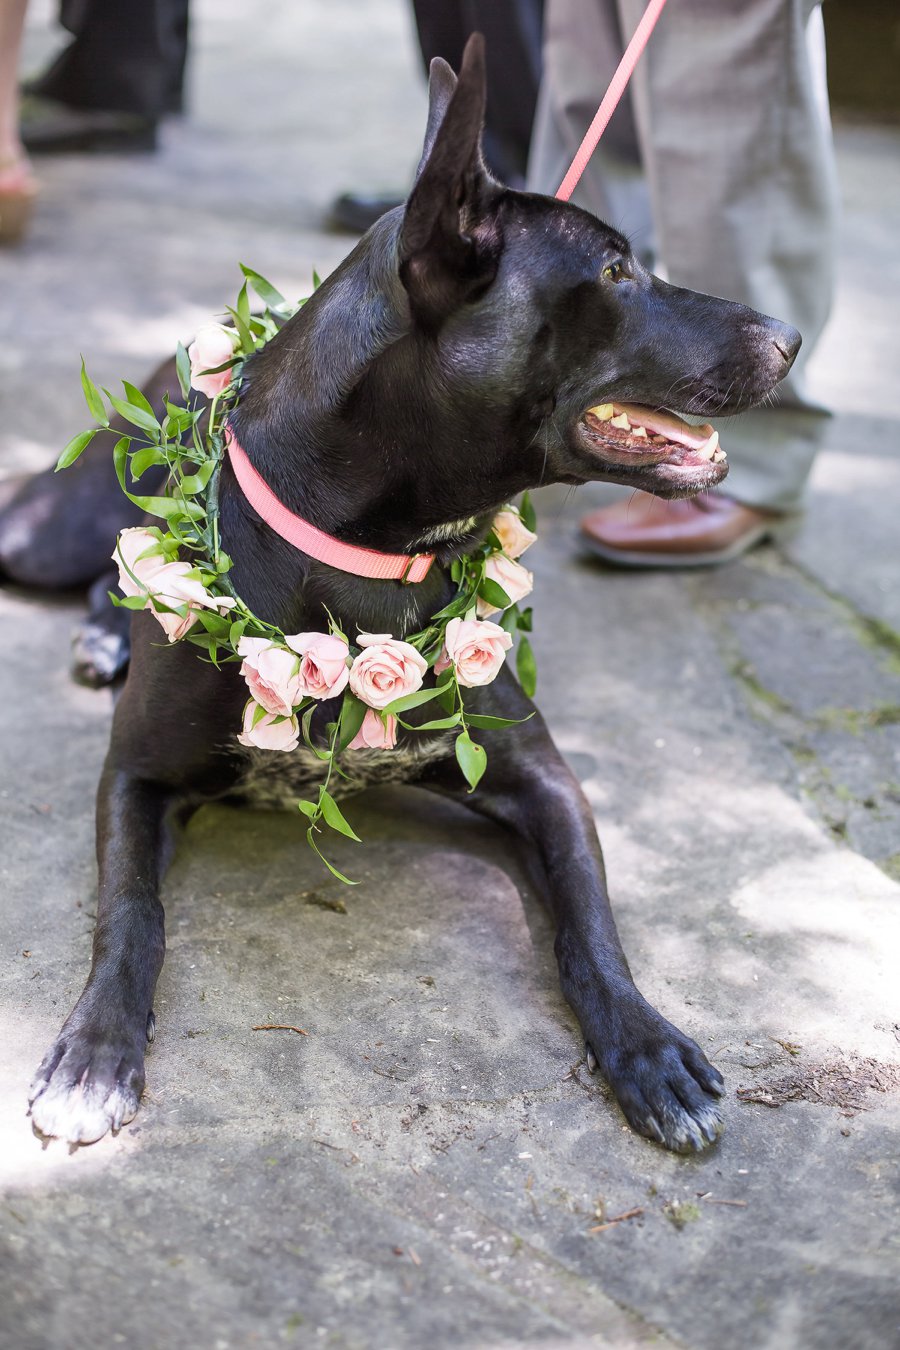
(615, 272)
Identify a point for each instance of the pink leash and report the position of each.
(611, 98)
(366, 562)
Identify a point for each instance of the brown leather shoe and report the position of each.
(701, 531)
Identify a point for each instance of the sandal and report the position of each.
(18, 189)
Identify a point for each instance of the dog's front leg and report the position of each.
(92, 1077)
(664, 1083)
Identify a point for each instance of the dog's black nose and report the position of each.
(787, 340)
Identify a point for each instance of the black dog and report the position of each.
(446, 366)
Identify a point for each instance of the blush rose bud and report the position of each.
(476, 648)
(213, 346)
(269, 732)
(375, 734)
(385, 669)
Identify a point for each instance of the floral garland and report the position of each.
(180, 573)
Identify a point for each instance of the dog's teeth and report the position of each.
(658, 440)
(603, 411)
(708, 449)
(621, 422)
(640, 431)
(719, 456)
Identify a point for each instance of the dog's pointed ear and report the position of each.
(441, 87)
(449, 243)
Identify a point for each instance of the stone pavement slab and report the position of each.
(431, 1164)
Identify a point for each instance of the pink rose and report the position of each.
(271, 674)
(513, 533)
(212, 347)
(373, 734)
(127, 555)
(168, 582)
(172, 585)
(269, 732)
(476, 648)
(323, 663)
(385, 669)
(515, 579)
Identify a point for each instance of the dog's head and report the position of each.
(481, 340)
(530, 294)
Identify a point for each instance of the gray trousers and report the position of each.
(721, 171)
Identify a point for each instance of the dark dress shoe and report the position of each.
(354, 212)
(50, 128)
(702, 531)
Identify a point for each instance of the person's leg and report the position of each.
(17, 185)
(127, 57)
(12, 23)
(735, 138)
(512, 31)
(582, 47)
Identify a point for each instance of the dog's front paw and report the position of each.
(90, 1082)
(99, 655)
(663, 1082)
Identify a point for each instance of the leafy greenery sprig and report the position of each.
(188, 440)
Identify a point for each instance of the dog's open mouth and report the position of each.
(677, 454)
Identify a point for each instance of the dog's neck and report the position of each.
(341, 414)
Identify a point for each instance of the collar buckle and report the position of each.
(407, 578)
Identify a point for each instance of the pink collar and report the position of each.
(361, 562)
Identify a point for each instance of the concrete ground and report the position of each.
(431, 1165)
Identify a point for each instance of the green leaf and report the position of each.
(164, 507)
(142, 460)
(196, 482)
(421, 696)
(494, 593)
(335, 627)
(213, 623)
(76, 446)
(471, 758)
(243, 304)
(526, 667)
(527, 512)
(310, 839)
(524, 620)
(137, 399)
(446, 698)
(264, 289)
(167, 508)
(183, 367)
(353, 712)
(128, 601)
(137, 416)
(316, 280)
(335, 817)
(305, 725)
(179, 420)
(236, 632)
(92, 397)
(455, 608)
(248, 344)
(310, 809)
(487, 723)
(509, 619)
(440, 723)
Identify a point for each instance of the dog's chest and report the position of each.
(275, 779)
